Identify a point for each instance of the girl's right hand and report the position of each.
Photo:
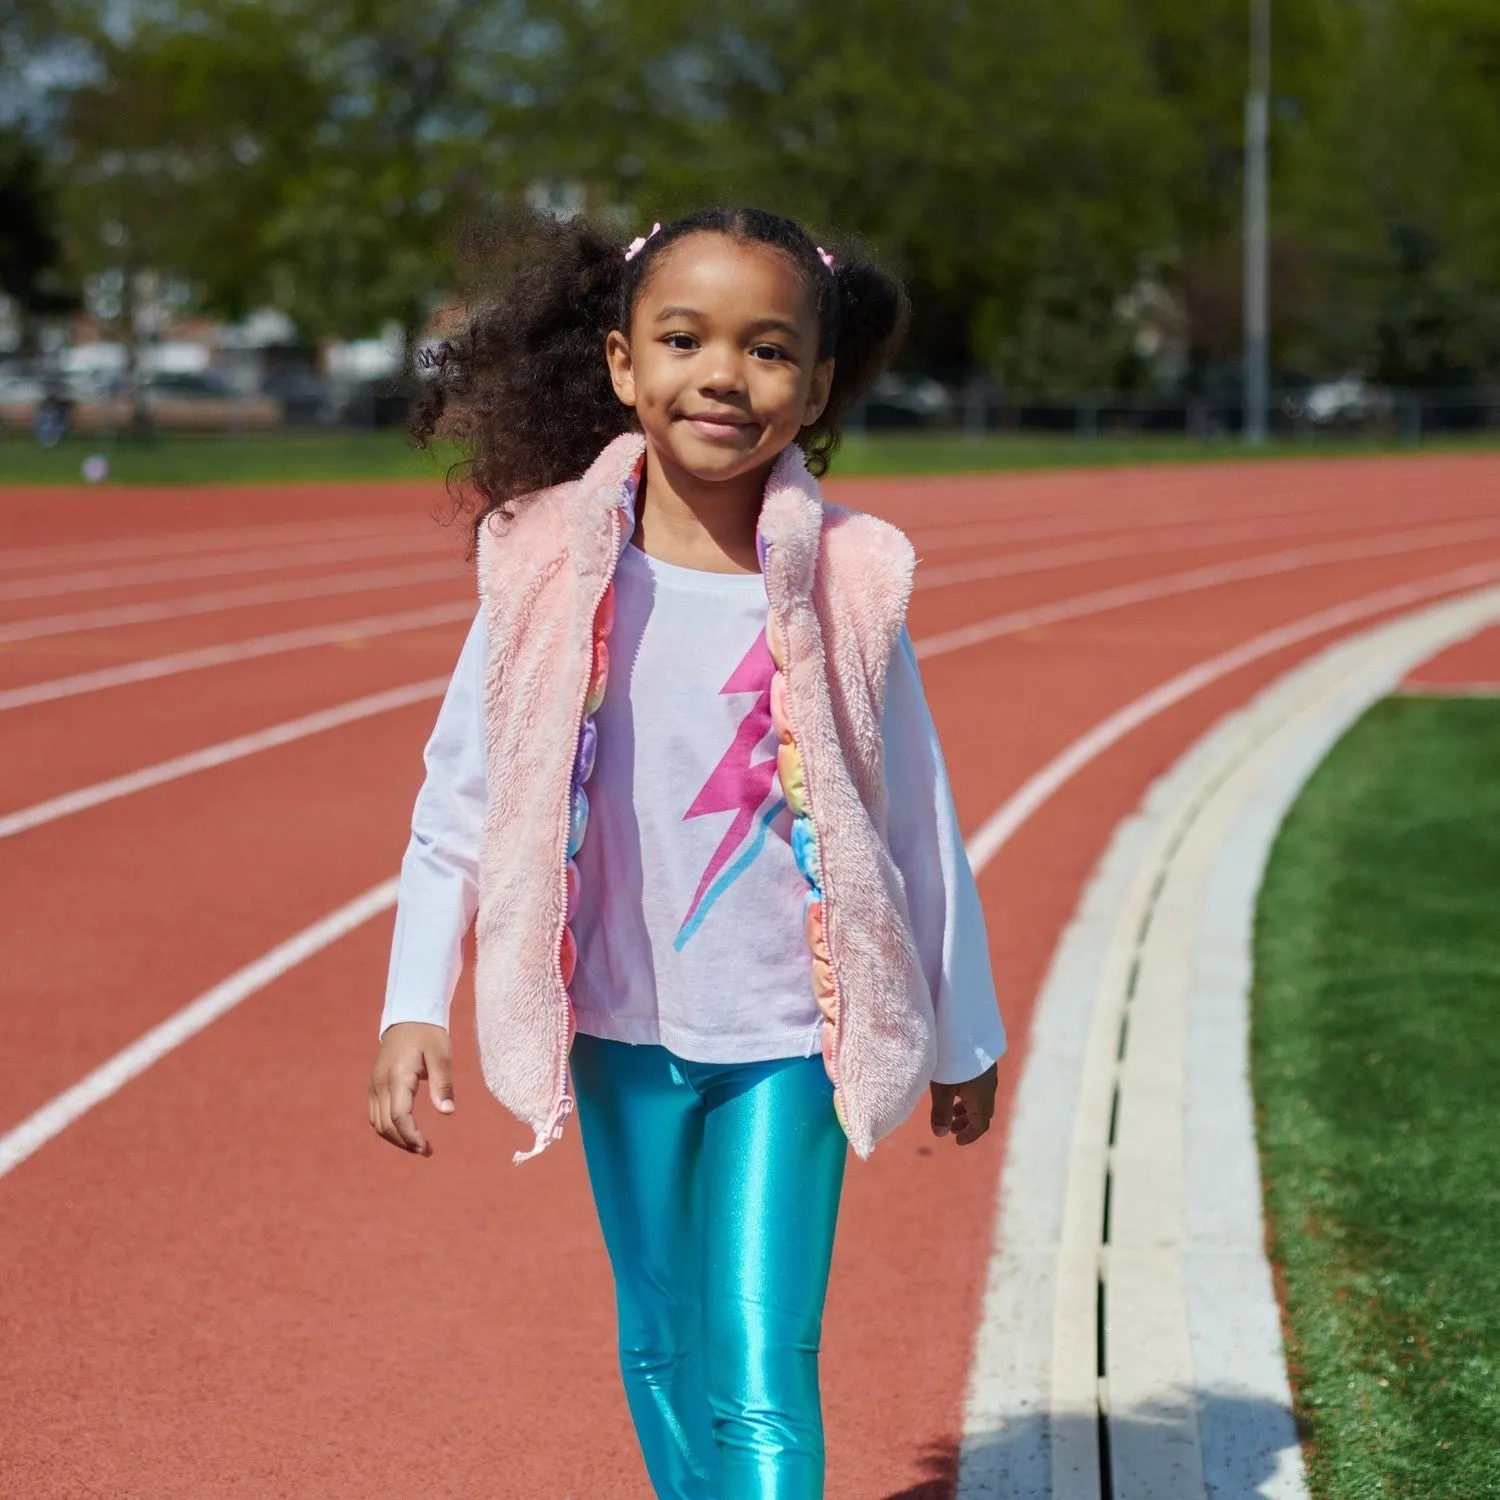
(409, 1052)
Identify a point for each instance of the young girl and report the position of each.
(686, 777)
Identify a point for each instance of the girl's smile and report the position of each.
(717, 427)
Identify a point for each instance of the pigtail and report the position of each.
(870, 315)
(523, 388)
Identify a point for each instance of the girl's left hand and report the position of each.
(965, 1109)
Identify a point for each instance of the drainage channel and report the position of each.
(1188, 819)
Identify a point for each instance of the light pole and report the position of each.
(1257, 132)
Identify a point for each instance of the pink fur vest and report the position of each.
(837, 583)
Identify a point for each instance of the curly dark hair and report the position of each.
(524, 389)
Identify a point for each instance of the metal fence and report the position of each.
(1337, 409)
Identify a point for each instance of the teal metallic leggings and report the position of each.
(718, 1188)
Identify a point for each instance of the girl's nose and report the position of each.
(720, 373)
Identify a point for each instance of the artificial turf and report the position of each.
(1376, 1059)
(385, 454)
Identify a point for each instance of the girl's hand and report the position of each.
(409, 1052)
(965, 1108)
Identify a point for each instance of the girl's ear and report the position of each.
(817, 392)
(621, 367)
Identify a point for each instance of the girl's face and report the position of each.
(721, 359)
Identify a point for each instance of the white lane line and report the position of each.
(1001, 826)
(341, 632)
(1016, 497)
(225, 599)
(947, 537)
(58, 1113)
(26, 818)
(216, 565)
(65, 554)
(1043, 559)
(278, 734)
(1149, 589)
(55, 1116)
(267, 645)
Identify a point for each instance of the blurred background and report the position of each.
(238, 216)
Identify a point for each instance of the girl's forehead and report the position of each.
(717, 266)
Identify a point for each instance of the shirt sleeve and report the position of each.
(947, 919)
(438, 892)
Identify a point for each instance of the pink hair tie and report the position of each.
(825, 257)
(639, 243)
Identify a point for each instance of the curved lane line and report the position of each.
(66, 554)
(267, 645)
(26, 818)
(1270, 522)
(338, 633)
(179, 608)
(214, 566)
(1150, 497)
(52, 1118)
(1198, 578)
(947, 537)
(58, 1113)
(1042, 559)
(238, 748)
(998, 829)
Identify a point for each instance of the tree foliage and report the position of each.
(410, 141)
(1387, 188)
(1025, 164)
(177, 140)
(29, 246)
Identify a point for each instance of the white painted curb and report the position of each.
(1151, 1344)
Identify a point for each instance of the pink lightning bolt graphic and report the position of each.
(737, 784)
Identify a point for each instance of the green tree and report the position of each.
(1006, 157)
(30, 244)
(1388, 183)
(411, 140)
(1023, 163)
(177, 141)
(180, 139)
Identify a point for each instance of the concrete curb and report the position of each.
(1130, 1341)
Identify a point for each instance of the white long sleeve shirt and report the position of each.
(689, 917)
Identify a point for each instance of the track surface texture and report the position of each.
(217, 1281)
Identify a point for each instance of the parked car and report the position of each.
(38, 400)
(183, 402)
(20, 391)
(1350, 399)
(307, 398)
(906, 401)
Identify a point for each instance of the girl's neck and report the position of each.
(695, 523)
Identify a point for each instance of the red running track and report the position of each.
(217, 1281)
(1470, 668)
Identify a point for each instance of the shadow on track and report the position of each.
(1242, 1441)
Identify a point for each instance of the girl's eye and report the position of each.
(683, 341)
(768, 351)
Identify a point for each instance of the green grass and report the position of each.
(1376, 1058)
(385, 455)
(213, 460)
